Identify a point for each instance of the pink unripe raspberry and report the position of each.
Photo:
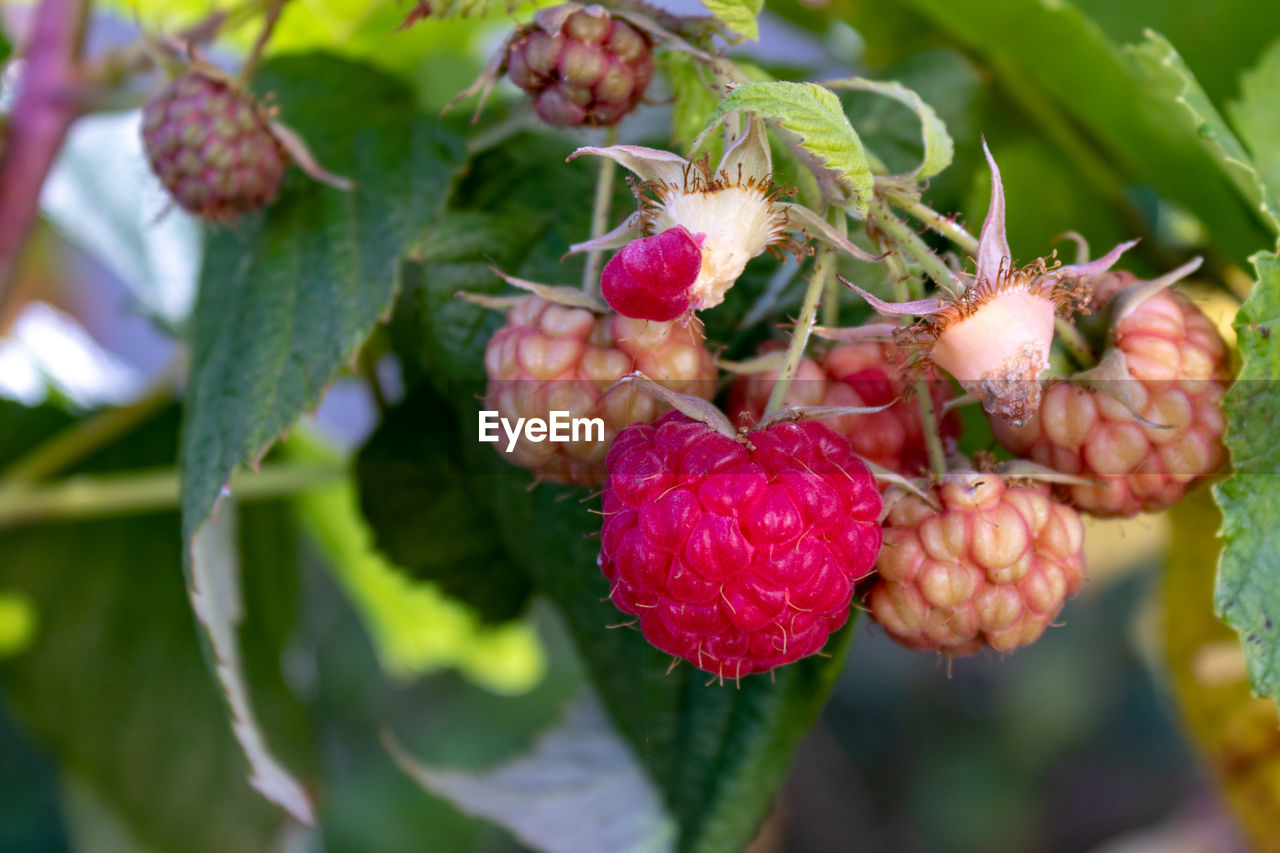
(592, 71)
(737, 556)
(652, 278)
(991, 567)
(858, 375)
(210, 143)
(1178, 371)
(551, 357)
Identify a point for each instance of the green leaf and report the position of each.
(1087, 82)
(288, 296)
(579, 788)
(1258, 119)
(938, 147)
(113, 683)
(1179, 85)
(425, 514)
(813, 114)
(1247, 595)
(739, 16)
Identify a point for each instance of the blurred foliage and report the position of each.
(1238, 734)
(17, 623)
(113, 683)
(424, 512)
(415, 630)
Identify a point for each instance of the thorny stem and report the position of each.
(910, 242)
(822, 270)
(600, 214)
(928, 417)
(107, 495)
(944, 225)
(831, 298)
(48, 102)
(1075, 342)
(269, 20)
(929, 427)
(80, 440)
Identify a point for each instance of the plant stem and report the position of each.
(48, 102)
(108, 495)
(1075, 342)
(81, 439)
(831, 298)
(910, 242)
(944, 225)
(269, 20)
(929, 424)
(600, 214)
(928, 416)
(822, 270)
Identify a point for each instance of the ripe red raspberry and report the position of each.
(590, 69)
(551, 357)
(737, 556)
(864, 375)
(210, 143)
(1177, 364)
(992, 567)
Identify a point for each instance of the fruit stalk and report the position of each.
(944, 225)
(831, 298)
(47, 103)
(909, 242)
(823, 269)
(600, 215)
(1075, 342)
(270, 17)
(928, 416)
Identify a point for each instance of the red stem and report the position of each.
(48, 101)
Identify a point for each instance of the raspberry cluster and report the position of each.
(550, 357)
(211, 144)
(1177, 375)
(591, 70)
(737, 556)
(986, 564)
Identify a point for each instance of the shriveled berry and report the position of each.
(590, 71)
(551, 357)
(860, 375)
(736, 556)
(210, 143)
(1178, 371)
(989, 566)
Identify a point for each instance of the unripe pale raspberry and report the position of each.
(861, 375)
(737, 556)
(1178, 368)
(592, 71)
(992, 567)
(210, 143)
(551, 357)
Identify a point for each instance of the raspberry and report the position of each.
(992, 567)
(865, 375)
(211, 144)
(591, 69)
(652, 278)
(737, 556)
(1178, 371)
(551, 357)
